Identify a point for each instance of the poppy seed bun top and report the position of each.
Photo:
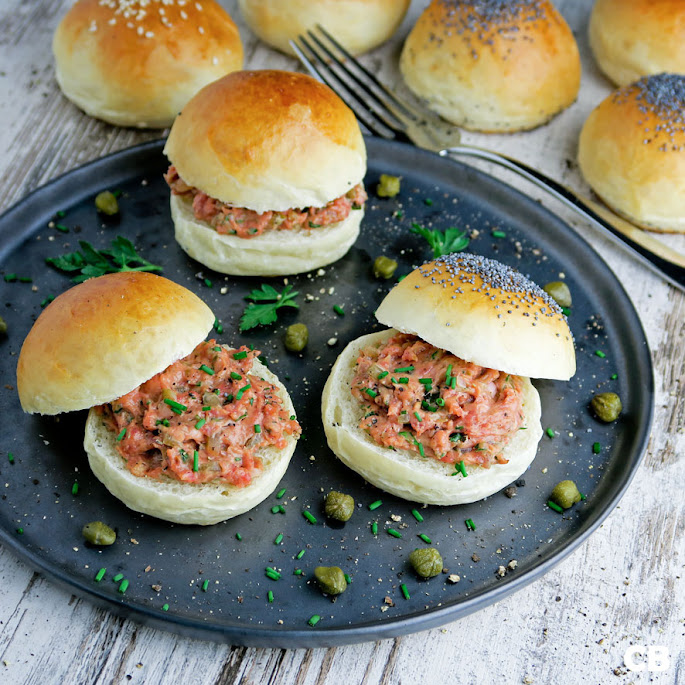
(360, 25)
(632, 152)
(483, 312)
(492, 65)
(268, 140)
(137, 62)
(634, 38)
(102, 338)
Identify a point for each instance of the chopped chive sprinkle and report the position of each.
(200, 423)
(348, 580)
(20, 531)
(462, 468)
(208, 283)
(309, 516)
(566, 311)
(583, 497)
(292, 417)
(338, 310)
(240, 355)
(123, 587)
(218, 348)
(74, 488)
(270, 597)
(550, 432)
(297, 572)
(427, 201)
(242, 390)
(300, 554)
(238, 537)
(280, 493)
(613, 376)
(100, 575)
(404, 380)
(374, 528)
(555, 506)
(405, 592)
(218, 327)
(281, 509)
(418, 416)
(600, 354)
(62, 228)
(470, 524)
(278, 539)
(60, 213)
(382, 375)
(596, 448)
(417, 515)
(236, 376)
(440, 402)
(393, 532)
(426, 381)
(272, 573)
(425, 538)
(118, 577)
(196, 461)
(499, 234)
(9, 278)
(404, 369)
(314, 620)
(206, 369)
(165, 607)
(257, 428)
(275, 509)
(10, 458)
(175, 407)
(47, 301)
(375, 505)
(121, 435)
(371, 392)
(205, 585)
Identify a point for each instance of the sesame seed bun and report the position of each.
(490, 66)
(405, 473)
(359, 25)
(102, 338)
(483, 312)
(632, 152)
(137, 64)
(634, 38)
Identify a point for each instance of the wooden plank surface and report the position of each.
(624, 586)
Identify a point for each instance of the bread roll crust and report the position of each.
(268, 140)
(135, 64)
(492, 66)
(484, 312)
(359, 25)
(632, 152)
(634, 38)
(405, 473)
(102, 338)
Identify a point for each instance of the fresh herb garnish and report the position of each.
(92, 263)
(442, 242)
(263, 306)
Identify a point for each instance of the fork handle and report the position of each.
(654, 254)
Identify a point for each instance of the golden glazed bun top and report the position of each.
(632, 152)
(268, 140)
(104, 337)
(137, 62)
(492, 65)
(634, 38)
(359, 25)
(483, 312)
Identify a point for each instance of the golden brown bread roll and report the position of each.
(135, 63)
(632, 152)
(489, 65)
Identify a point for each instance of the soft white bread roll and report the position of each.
(274, 253)
(405, 473)
(484, 312)
(203, 504)
(492, 66)
(634, 38)
(359, 25)
(137, 63)
(268, 140)
(102, 338)
(632, 152)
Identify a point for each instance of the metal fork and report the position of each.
(386, 116)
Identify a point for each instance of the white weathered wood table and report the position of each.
(623, 587)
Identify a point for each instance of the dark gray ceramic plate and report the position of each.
(169, 564)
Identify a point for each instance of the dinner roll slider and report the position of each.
(180, 428)
(440, 409)
(266, 174)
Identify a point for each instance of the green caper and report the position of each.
(565, 494)
(296, 337)
(559, 292)
(384, 267)
(606, 406)
(426, 561)
(98, 533)
(331, 579)
(3, 326)
(106, 203)
(339, 506)
(388, 186)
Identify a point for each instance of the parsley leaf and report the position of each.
(263, 306)
(122, 256)
(442, 243)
